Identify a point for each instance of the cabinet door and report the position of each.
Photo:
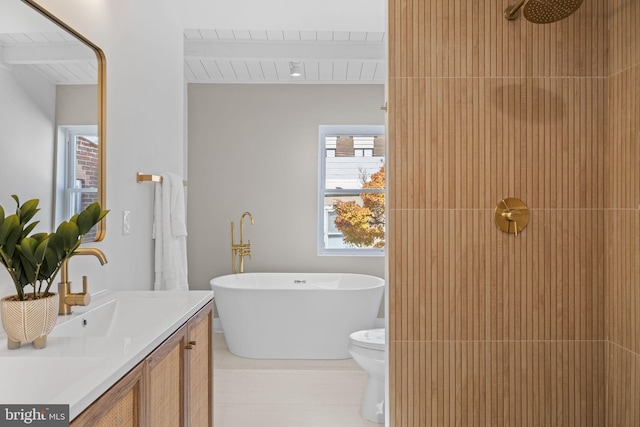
(200, 362)
(122, 405)
(166, 382)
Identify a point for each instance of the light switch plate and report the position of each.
(126, 222)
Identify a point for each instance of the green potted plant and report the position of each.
(33, 261)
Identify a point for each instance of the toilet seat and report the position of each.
(373, 339)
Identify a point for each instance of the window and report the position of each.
(351, 197)
(77, 174)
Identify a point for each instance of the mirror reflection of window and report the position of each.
(77, 171)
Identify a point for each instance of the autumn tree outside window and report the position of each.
(351, 217)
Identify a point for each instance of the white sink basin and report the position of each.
(96, 322)
(126, 316)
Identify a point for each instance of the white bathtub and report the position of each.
(295, 315)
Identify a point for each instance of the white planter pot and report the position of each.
(30, 320)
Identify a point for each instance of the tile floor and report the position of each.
(285, 393)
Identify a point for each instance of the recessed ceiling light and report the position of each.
(295, 69)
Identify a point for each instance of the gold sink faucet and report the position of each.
(68, 299)
(241, 249)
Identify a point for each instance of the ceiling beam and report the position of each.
(284, 50)
(47, 54)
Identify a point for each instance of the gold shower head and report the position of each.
(543, 11)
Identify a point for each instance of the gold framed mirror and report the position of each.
(52, 114)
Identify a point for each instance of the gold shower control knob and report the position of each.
(512, 215)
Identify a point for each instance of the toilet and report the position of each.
(368, 350)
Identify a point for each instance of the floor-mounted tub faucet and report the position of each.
(68, 299)
(241, 249)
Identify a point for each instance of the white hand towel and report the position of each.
(177, 204)
(170, 234)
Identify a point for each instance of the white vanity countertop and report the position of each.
(75, 369)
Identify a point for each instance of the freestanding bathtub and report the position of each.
(295, 315)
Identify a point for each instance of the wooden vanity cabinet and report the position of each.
(172, 387)
(200, 369)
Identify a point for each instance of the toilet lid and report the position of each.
(369, 338)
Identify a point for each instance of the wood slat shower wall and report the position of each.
(485, 328)
(623, 216)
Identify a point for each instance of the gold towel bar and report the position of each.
(142, 177)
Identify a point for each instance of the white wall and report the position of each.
(255, 148)
(27, 116)
(27, 121)
(143, 44)
(76, 105)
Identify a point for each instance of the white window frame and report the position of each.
(324, 132)
(65, 169)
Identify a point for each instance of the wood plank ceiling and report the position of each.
(221, 56)
(262, 56)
